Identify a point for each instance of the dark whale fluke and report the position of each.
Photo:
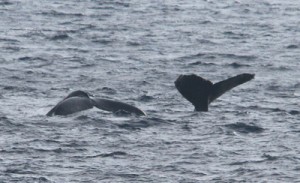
(79, 100)
(201, 92)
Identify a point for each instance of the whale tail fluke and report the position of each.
(201, 92)
(79, 101)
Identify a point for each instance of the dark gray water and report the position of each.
(133, 51)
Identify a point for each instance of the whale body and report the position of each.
(79, 101)
(201, 92)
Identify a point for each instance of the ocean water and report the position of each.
(133, 51)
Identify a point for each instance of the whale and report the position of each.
(79, 100)
(201, 92)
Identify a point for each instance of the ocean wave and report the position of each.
(238, 65)
(294, 112)
(59, 37)
(145, 98)
(202, 63)
(212, 55)
(107, 90)
(237, 57)
(60, 14)
(292, 46)
(245, 128)
(139, 124)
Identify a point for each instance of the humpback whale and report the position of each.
(201, 92)
(80, 100)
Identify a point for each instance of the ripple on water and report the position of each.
(59, 37)
(245, 128)
(294, 112)
(292, 46)
(237, 65)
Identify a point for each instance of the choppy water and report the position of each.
(133, 51)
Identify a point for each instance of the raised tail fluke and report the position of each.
(201, 92)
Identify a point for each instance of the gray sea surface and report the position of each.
(133, 51)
